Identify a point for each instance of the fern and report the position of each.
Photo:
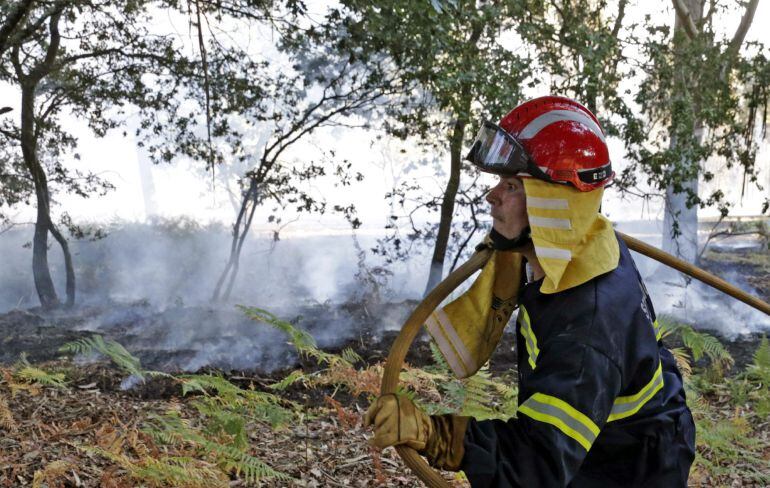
(113, 350)
(26, 372)
(700, 345)
(301, 340)
(172, 429)
(760, 368)
(223, 395)
(167, 470)
(480, 396)
(7, 421)
(289, 380)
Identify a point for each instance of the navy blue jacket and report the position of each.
(601, 401)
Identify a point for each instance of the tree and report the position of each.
(699, 99)
(86, 58)
(345, 89)
(579, 48)
(451, 54)
(12, 17)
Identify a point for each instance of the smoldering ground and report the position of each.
(148, 286)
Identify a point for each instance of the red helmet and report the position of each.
(551, 138)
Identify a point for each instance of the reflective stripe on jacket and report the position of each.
(601, 402)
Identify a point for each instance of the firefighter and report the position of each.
(601, 401)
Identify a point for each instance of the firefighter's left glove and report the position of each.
(398, 421)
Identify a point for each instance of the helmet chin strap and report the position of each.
(502, 243)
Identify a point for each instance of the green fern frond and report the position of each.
(438, 358)
(290, 379)
(301, 340)
(700, 344)
(351, 356)
(113, 350)
(166, 470)
(26, 372)
(762, 354)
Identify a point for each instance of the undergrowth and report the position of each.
(205, 441)
(728, 412)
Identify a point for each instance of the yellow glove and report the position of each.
(397, 421)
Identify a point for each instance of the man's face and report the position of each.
(508, 206)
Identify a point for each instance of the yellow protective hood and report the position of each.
(573, 242)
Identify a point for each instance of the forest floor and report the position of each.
(66, 422)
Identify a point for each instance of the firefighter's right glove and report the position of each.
(398, 421)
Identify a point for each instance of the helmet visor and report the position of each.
(496, 151)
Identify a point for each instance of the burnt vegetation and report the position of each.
(181, 351)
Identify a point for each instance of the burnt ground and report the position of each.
(328, 449)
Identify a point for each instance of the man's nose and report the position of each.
(493, 197)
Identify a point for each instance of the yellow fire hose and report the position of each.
(411, 327)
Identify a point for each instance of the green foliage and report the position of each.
(290, 379)
(222, 398)
(217, 444)
(700, 345)
(24, 371)
(757, 375)
(302, 341)
(113, 350)
(480, 396)
(166, 470)
(724, 442)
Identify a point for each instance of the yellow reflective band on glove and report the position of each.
(560, 414)
(573, 242)
(468, 329)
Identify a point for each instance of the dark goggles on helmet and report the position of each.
(496, 151)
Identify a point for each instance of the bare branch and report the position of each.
(743, 28)
(45, 67)
(684, 15)
(619, 19)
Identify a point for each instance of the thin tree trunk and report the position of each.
(450, 194)
(70, 287)
(40, 270)
(237, 262)
(678, 219)
(447, 204)
(231, 268)
(680, 223)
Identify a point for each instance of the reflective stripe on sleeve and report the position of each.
(560, 414)
(626, 406)
(658, 332)
(530, 341)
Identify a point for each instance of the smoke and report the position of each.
(693, 302)
(148, 287)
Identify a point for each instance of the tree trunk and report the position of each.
(680, 224)
(447, 204)
(40, 271)
(65, 248)
(239, 236)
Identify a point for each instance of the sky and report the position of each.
(143, 190)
